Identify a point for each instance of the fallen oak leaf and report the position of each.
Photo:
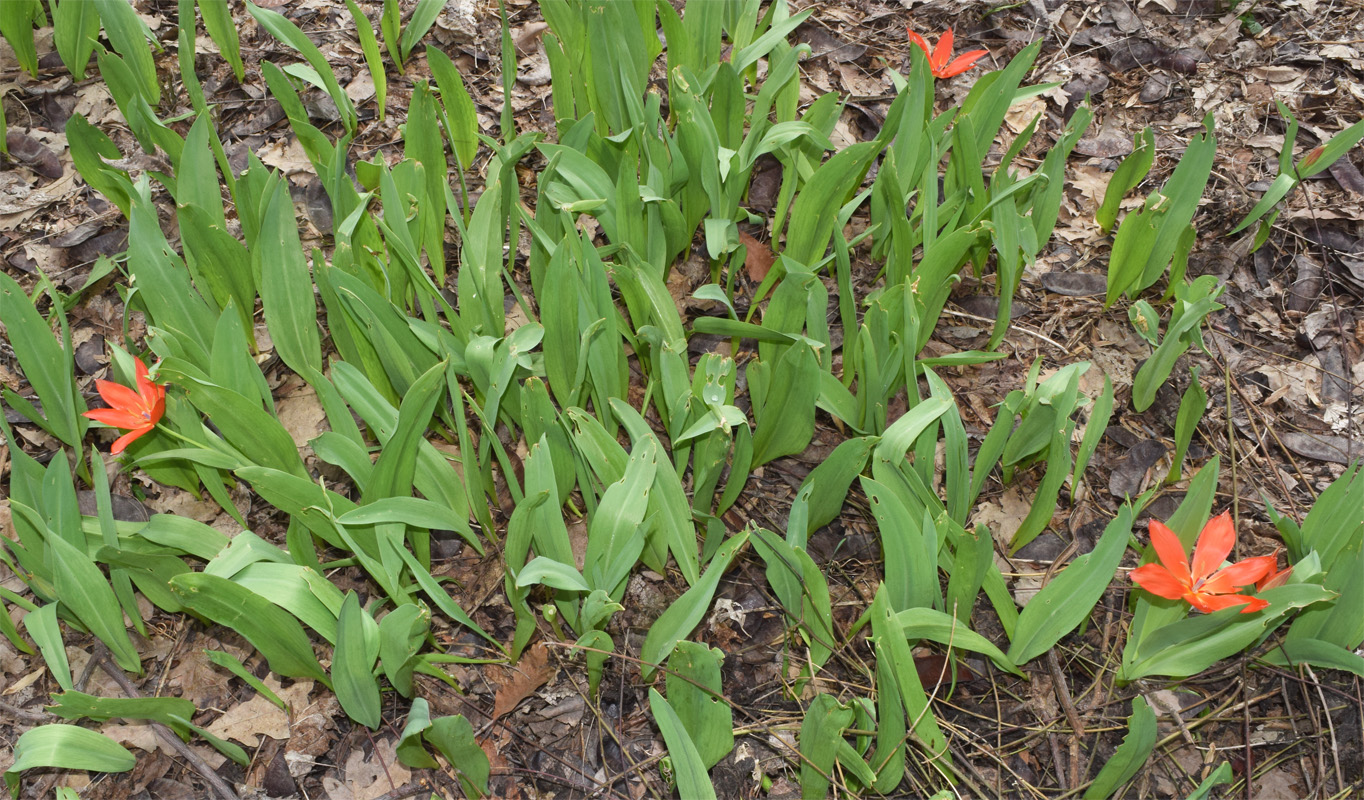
(759, 258)
(529, 674)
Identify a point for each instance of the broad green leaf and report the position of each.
(287, 32)
(75, 29)
(17, 19)
(47, 365)
(423, 17)
(1192, 645)
(909, 551)
(223, 31)
(402, 632)
(551, 573)
(1126, 177)
(271, 630)
(1070, 597)
(688, 768)
(892, 649)
(461, 118)
(695, 694)
(413, 511)
(134, 41)
(453, 737)
(184, 535)
(928, 623)
(300, 590)
(90, 151)
(786, 419)
(244, 424)
(678, 620)
(831, 479)
(803, 592)
(616, 535)
(43, 629)
(667, 499)
(82, 588)
(816, 208)
(71, 705)
(374, 61)
(286, 289)
(66, 747)
(1130, 756)
(357, 646)
(1318, 653)
(821, 733)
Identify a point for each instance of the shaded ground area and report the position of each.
(1283, 378)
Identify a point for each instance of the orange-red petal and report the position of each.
(922, 43)
(942, 52)
(962, 63)
(1214, 545)
(1159, 581)
(115, 418)
(1170, 551)
(126, 439)
(1277, 579)
(1243, 573)
(118, 396)
(1208, 603)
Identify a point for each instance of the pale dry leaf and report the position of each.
(246, 722)
(287, 157)
(180, 503)
(1276, 784)
(361, 87)
(199, 680)
(369, 776)
(1022, 113)
(843, 136)
(301, 414)
(1004, 517)
(520, 681)
(139, 735)
(24, 682)
(1277, 74)
(1092, 182)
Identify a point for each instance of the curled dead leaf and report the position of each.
(760, 258)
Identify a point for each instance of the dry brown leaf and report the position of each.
(529, 674)
(759, 259)
(301, 414)
(256, 717)
(369, 776)
(1005, 517)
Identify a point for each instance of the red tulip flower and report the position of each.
(1205, 586)
(938, 57)
(138, 411)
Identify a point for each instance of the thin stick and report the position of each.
(15, 712)
(167, 735)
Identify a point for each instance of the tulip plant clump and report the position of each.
(502, 367)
